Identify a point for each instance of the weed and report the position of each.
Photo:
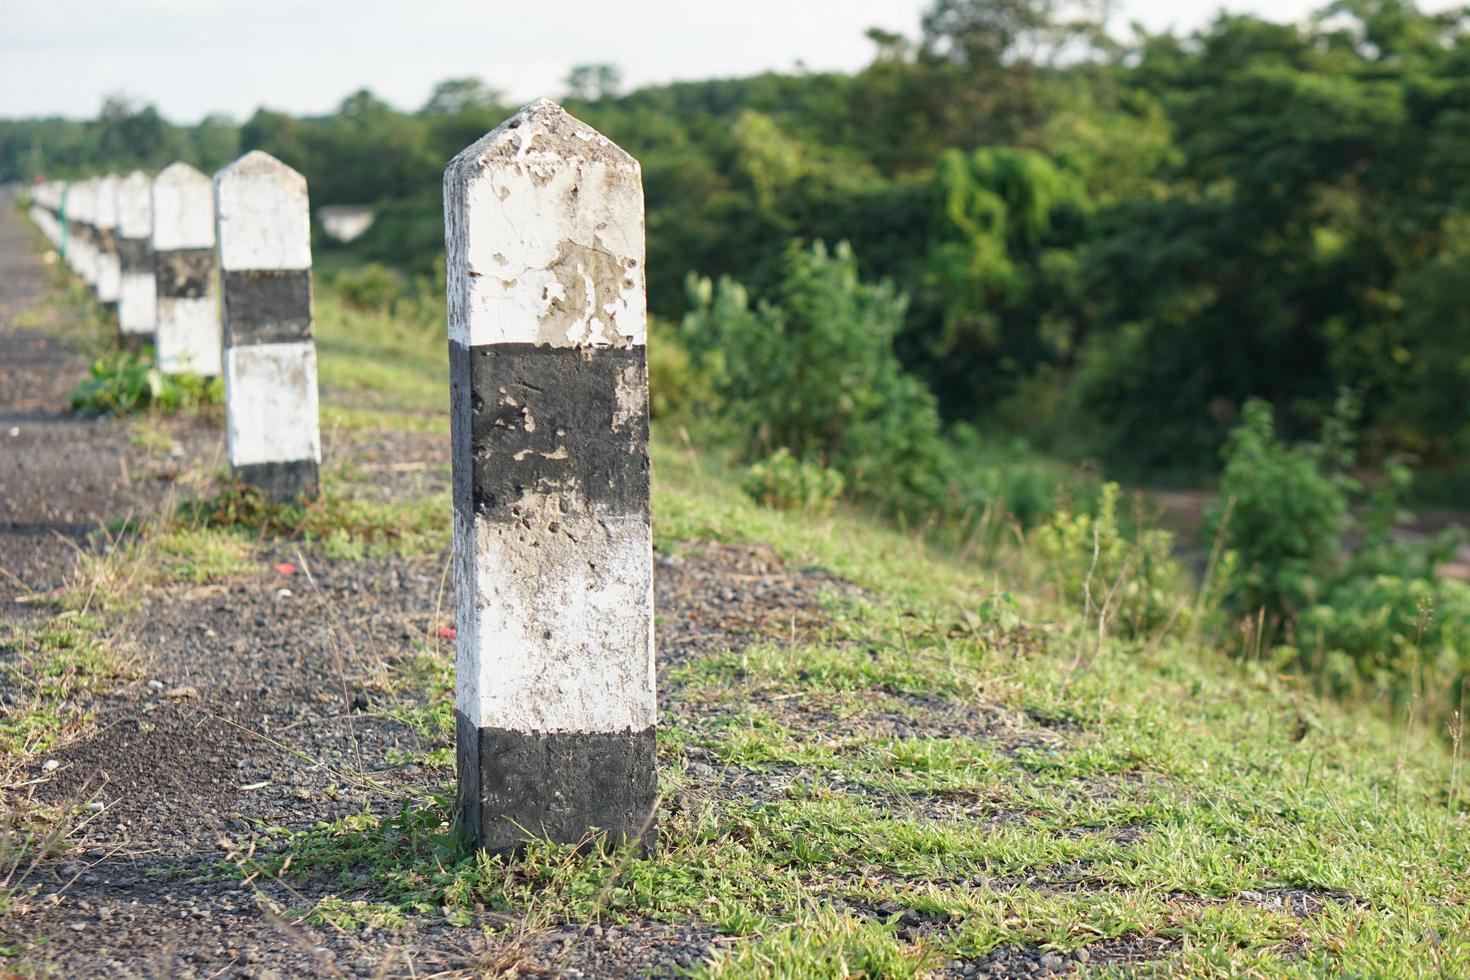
(124, 383)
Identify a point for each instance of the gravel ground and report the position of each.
(264, 701)
(60, 475)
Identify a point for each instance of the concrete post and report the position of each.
(263, 235)
(43, 211)
(137, 301)
(83, 251)
(64, 242)
(104, 221)
(188, 337)
(555, 699)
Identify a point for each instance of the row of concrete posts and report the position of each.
(216, 276)
(552, 541)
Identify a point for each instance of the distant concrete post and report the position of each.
(137, 300)
(555, 699)
(263, 233)
(104, 221)
(44, 210)
(82, 253)
(188, 337)
(59, 189)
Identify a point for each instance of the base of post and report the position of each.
(515, 787)
(134, 343)
(283, 483)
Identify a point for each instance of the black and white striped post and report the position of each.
(82, 251)
(555, 699)
(45, 211)
(137, 306)
(263, 237)
(104, 230)
(188, 335)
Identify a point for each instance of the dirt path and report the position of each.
(61, 476)
(264, 701)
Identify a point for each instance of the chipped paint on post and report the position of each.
(263, 237)
(555, 696)
(137, 301)
(188, 337)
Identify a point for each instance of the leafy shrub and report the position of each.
(1393, 635)
(123, 383)
(1134, 580)
(370, 287)
(1373, 619)
(673, 383)
(814, 371)
(787, 483)
(1009, 479)
(1283, 510)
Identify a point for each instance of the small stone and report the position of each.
(1082, 955)
(49, 765)
(14, 431)
(283, 593)
(95, 807)
(156, 685)
(1051, 961)
(360, 701)
(182, 692)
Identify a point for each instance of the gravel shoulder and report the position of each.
(263, 700)
(923, 775)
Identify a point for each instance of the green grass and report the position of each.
(1146, 793)
(378, 372)
(48, 670)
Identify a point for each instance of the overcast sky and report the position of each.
(193, 57)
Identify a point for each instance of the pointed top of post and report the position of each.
(261, 216)
(183, 209)
(544, 236)
(260, 165)
(134, 206)
(540, 139)
(180, 173)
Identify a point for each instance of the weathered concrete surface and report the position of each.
(271, 397)
(189, 331)
(262, 215)
(109, 269)
(137, 302)
(548, 216)
(263, 236)
(553, 548)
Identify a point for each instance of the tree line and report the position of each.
(1109, 247)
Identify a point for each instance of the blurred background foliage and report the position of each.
(1106, 247)
(1009, 253)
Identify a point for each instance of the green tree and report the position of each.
(588, 83)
